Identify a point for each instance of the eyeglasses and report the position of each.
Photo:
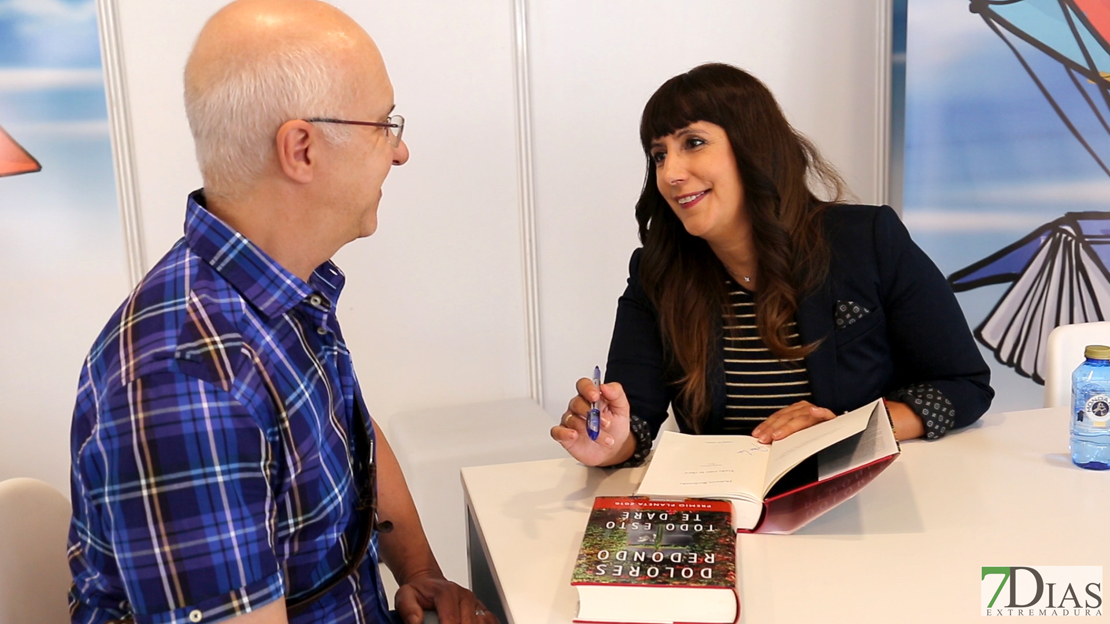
(395, 125)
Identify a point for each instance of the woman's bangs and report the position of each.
(671, 108)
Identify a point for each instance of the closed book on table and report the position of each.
(657, 562)
(848, 451)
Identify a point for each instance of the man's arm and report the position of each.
(406, 552)
(181, 523)
(271, 613)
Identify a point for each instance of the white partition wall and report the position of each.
(434, 303)
(503, 243)
(594, 66)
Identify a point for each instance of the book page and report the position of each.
(876, 441)
(706, 466)
(791, 450)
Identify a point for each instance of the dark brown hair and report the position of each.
(680, 273)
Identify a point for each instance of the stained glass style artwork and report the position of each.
(13, 158)
(1059, 277)
(1058, 273)
(1074, 34)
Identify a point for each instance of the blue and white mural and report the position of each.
(52, 109)
(62, 258)
(1058, 271)
(1006, 183)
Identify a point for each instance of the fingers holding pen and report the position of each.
(610, 399)
(571, 431)
(572, 435)
(587, 391)
(574, 421)
(615, 398)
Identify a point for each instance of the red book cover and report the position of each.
(790, 511)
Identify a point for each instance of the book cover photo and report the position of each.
(657, 561)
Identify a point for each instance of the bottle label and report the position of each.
(1097, 410)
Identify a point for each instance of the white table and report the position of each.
(908, 548)
(433, 445)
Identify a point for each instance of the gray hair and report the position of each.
(235, 111)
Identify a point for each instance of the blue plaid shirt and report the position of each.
(214, 465)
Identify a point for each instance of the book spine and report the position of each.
(671, 506)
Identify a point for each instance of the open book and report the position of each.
(851, 450)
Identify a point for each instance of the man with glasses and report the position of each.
(224, 464)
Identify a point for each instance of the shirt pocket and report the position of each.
(873, 323)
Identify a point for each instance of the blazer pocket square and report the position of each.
(848, 313)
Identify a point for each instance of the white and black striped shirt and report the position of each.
(757, 382)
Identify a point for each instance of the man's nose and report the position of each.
(401, 153)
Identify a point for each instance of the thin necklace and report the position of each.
(743, 277)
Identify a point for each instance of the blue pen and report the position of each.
(593, 421)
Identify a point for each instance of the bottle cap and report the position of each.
(1097, 352)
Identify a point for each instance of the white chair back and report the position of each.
(1065, 353)
(34, 571)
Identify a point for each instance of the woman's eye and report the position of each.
(658, 157)
(693, 142)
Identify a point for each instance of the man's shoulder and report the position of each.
(181, 317)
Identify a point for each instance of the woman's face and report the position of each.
(696, 173)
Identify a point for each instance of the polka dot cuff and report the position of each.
(640, 429)
(931, 406)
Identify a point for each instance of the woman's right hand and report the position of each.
(614, 443)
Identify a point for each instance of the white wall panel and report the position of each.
(54, 313)
(593, 67)
(433, 310)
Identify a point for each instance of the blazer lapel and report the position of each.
(815, 322)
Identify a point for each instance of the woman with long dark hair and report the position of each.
(757, 307)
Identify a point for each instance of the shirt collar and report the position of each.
(263, 282)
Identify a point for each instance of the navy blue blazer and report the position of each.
(914, 332)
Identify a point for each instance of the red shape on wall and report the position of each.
(1098, 14)
(13, 158)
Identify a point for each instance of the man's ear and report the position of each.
(296, 144)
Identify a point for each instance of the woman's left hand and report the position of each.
(790, 419)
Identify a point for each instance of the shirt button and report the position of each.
(315, 300)
(322, 331)
(195, 615)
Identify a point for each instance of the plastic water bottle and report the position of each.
(1090, 398)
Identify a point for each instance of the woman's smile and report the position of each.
(691, 199)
